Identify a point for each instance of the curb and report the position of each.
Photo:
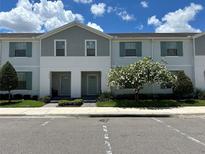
(103, 115)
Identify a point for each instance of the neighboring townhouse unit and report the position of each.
(74, 60)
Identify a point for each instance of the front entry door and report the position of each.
(92, 84)
(64, 85)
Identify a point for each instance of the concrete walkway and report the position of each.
(99, 111)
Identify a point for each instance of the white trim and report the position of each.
(180, 65)
(93, 74)
(96, 47)
(29, 66)
(65, 51)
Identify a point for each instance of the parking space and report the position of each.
(102, 135)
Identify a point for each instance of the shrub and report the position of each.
(27, 97)
(17, 96)
(4, 96)
(35, 97)
(75, 102)
(199, 94)
(105, 96)
(45, 99)
(183, 86)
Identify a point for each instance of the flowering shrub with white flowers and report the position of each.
(136, 76)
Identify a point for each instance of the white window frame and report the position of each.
(95, 47)
(56, 40)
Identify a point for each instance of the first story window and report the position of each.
(24, 81)
(60, 47)
(90, 47)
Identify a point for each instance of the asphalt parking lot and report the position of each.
(83, 135)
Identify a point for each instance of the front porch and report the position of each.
(60, 85)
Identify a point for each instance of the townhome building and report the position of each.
(74, 60)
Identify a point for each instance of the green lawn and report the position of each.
(21, 103)
(150, 103)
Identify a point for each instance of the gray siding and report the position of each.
(75, 37)
(200, 45)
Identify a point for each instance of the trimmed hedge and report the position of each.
(75, 102)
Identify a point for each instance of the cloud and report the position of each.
(37, 17)
(98, 9)
(153, 21)
(178, 21)
(144, 4)
(95, 26)
(140, 27)
(125, 16)
(83, 1)
(121, 12)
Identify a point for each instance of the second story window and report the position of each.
(60, 47)
(130, 49)
(171, 48)
(20, 49)
(90, 47)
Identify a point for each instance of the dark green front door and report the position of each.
(92, 84)
(65, 84)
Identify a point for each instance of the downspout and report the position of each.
(1, 50)
(194, 49)
(152, 56)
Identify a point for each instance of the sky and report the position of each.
(110, 16)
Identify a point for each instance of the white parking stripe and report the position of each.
(180, 132)
(107, 140)
(45, 123)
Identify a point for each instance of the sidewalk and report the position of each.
(100, 111)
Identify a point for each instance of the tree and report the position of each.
(183, 86)
(8, 78)
(137, 75)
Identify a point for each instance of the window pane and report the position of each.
(130, 49)
(90, 48)
(171, 52)
(172, 48)
(21, 80)
(60, 48)
(20, 53)
(60, 52)
(130, 45)
(130, 52)
(90, 52)
(90, 44)
(20, 49)
(24, 80)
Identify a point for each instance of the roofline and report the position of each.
(150, 38)
(69, 25)
(198, 35)
(22, 38)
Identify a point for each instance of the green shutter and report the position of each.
(12, 49)
(122, 49)
(163, 49)
(139, 49)
(29, 80)
(29, 49)
(179, 48)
